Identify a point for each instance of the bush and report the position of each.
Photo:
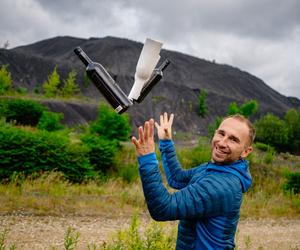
(22, 151)
(50, 121)
(101, 152)
(272, 130)
(24, 112)
(111, 125)
(293, 182)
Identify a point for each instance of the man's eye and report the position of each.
(220, 132)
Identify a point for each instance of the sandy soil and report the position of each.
(44, 232)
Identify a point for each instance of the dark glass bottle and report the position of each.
(104, 83)
(153, 80)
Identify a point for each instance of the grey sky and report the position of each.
(258, 36)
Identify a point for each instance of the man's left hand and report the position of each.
(145, 144)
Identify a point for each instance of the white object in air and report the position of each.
(148, 59)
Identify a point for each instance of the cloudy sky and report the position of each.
(258, 36)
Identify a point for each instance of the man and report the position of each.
(210, 195)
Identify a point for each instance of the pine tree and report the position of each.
(50, 86)
(70, 87)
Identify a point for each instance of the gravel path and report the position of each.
(44, 232)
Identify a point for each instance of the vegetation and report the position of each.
(246, 109)
(22, 112)
(110, 125)
(70, 87)
(5, 80)
(50, 121)
(202, 111)
(51, 85)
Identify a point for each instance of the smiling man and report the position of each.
(209, 196)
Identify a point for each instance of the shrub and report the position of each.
(5, 80)
(24, 112)
(27, 152)
(101, 152)
(50, 121)
(272, 130)
(111, 125)
(293, 182)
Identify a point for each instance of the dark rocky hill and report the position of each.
(178, 91)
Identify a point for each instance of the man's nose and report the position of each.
(223, 142)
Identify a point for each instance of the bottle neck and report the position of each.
(82, 56)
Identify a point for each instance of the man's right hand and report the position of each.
(164, 129)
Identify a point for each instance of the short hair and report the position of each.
(245, 120)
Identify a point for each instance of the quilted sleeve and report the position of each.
(216, 194)
(177, 177)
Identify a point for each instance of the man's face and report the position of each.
(230, 142)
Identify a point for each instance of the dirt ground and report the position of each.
(46, 232)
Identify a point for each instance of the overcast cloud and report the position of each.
(258, 36)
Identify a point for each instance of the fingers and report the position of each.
(141, 134)
(165, 117)
(146, 131)
(151, 128)
(171, 120)
(135, 142)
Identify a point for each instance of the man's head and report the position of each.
(232, 140)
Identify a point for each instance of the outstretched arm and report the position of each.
(177, 177)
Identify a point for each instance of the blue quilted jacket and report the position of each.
(207, 202)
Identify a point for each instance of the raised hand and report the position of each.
(164, 129)
(145, 144)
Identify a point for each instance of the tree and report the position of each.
(249, 108)
(50, 86)
(70, 87)
(246, 109)
(233, 109)
(271, 130)
(5, 80)
(292, 119)
(202, 111)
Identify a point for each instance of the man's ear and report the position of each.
(247, 151)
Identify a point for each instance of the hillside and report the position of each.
(177, 92)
